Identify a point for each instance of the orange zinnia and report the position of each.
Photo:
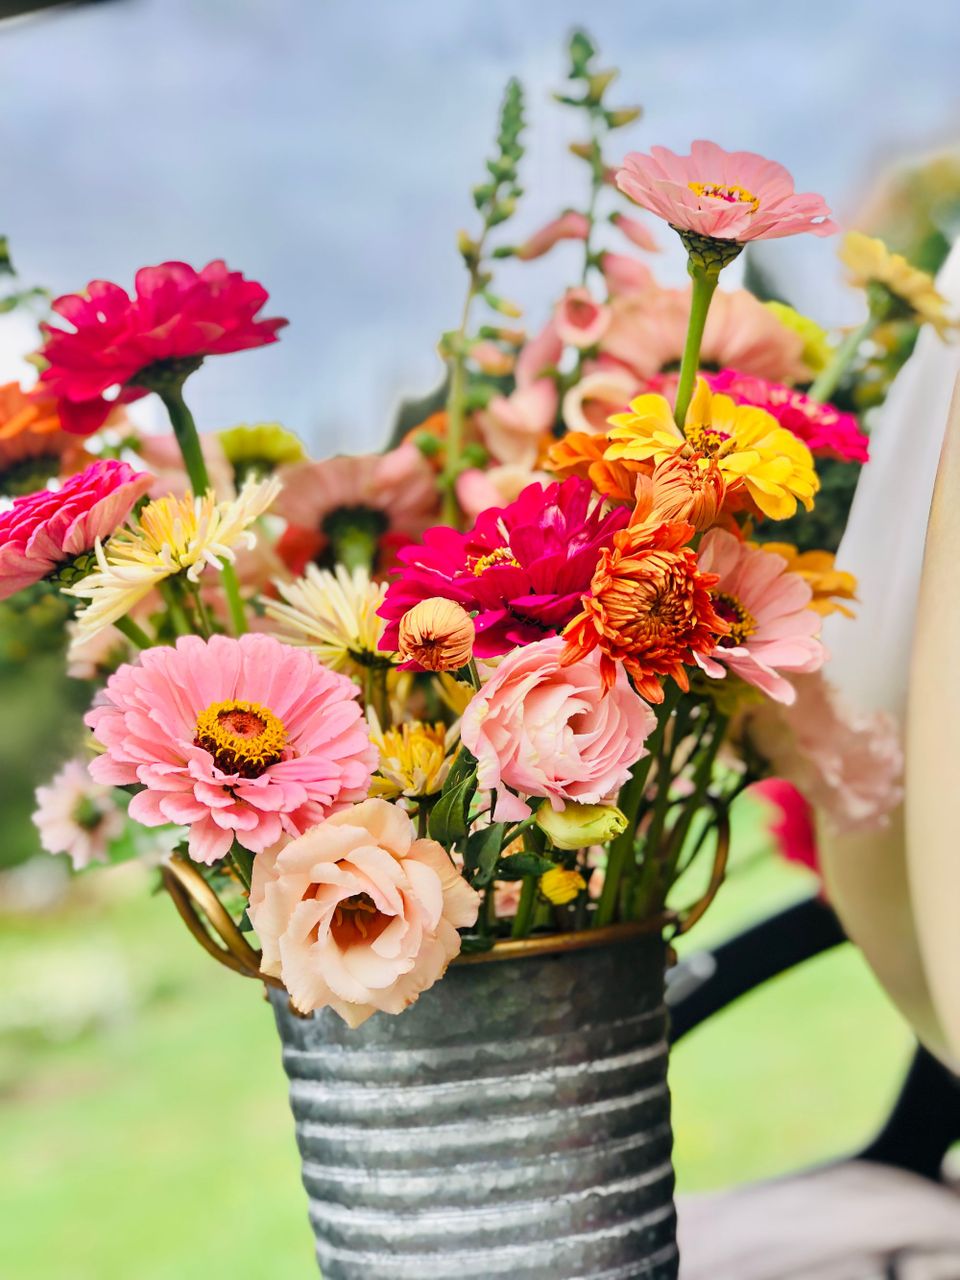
(691, 489)
(33, 444)
(649, 607)
(581, 453)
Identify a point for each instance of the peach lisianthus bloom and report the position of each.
(357, 914)
(568, 226)
(649, 609)
(590, 402)
(723, 195)
(830, 586)
(544, 729)
(772, 627)
(751, 450)
(77, 816)
(512, 427)
(580, 320)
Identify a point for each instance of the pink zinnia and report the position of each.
(772, 627)
(245, 739)
(176, 314)
(791, 822)
(826, 431)
(44, 530)
(722, 195)
(522, 568)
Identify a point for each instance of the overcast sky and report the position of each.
(328, 150)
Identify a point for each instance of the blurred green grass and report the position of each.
(156, 1143)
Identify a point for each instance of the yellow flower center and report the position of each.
(242, 737)
(741, 621)
(704, 438)
(495, 560)
(728, 194)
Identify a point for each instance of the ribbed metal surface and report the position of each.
(514, 1122)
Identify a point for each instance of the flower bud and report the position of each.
(560, 886)
(579, 825)
(437, 635)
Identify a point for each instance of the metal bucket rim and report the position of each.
(552, 943)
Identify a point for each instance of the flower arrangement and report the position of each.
(505, 679)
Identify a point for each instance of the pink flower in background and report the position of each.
(513, 426)
(625, 275)
(636, 232)
(791, 824)
(539, 355)
(847, 764)
(548, 730)
(176, 313)
(495, 487)
(358, 915)
(590, 402)
(825, 430)
(521, 569)
(580, 320)
(45, 529)
(569, 226)
(245, 739)
(772, 627)
(489, 358)
(726, 195)
(77, 816)
(162, 455)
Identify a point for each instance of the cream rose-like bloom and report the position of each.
(357, 914)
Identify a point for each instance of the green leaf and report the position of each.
(471, 943)
(448, 817)
(518, 865)
(481, 853)
(582, 51)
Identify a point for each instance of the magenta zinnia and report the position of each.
(826, 431)
(521, 569)
(245, 739)
(116, 343)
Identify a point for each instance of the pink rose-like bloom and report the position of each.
(726, 195)
(246, 739)
(647, 332)
(176, 313)
(77, 816)
(538, 355)
(636, 232)
(496, 487)
(848, 764)
(513, 426)
(550, 731)
(826, 431)
(522, 569)
(772, 627)
(569, 226)
(625, 275)
(591, 401)
(791, 823)
(43, 530)
(358, 915)
(580, 320)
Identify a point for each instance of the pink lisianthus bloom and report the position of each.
(176, 313)
(539, 355)
(513, 426)
(647, 332)
(358, 915)
(826, 431)
(496, 487)
(569, 226)
(847, 764)
(77, 816)
(580, 320)
(43, 530)
(791, 824)
(625, 275)
(246, 739)
(636, 232)
(521, 569)
(725, 195)
(550, 731)
(590, 402)
(772, 627)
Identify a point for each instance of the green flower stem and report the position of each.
(355, 545)
(456, 407)
(231, 589)
(829, 378)
(703, 775)
(666, 747)
(185, 429)
(242, 860)
(704, 286)
(181, 623)
(528, 900)
(136, 635)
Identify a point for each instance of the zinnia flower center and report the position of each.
(704, 438)
(242, 737)
(728, 194)
(741, 621)
(357, 919)
(497, 559)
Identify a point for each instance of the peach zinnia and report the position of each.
(649, 607)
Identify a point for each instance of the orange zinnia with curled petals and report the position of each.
(649, 607)
(582, 453)
(691, 489)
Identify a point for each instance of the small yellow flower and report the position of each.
(261, 448)
(747, 444)
(829, 584)
(870, 262)
(333, 613)
(579, 825)
(817, 350)
(171, 536)
(560, 886)
(414, 759)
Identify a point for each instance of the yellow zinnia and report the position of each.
(870, 262)
(748, 445)
(829, 584)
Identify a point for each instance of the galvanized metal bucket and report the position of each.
(514, 1122)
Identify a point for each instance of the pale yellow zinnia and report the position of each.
(817, 350)
(415, 759)
(334, 613)
(171, 536)
(748, 445)
(870, 262)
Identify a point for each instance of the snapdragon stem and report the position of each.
(704, 286)
(136, 635)
(829, 378)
